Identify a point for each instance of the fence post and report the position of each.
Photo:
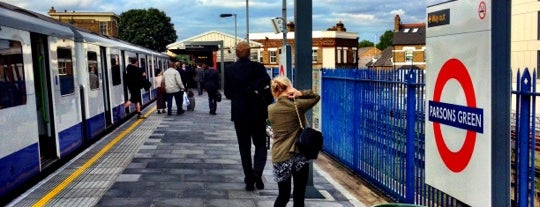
(523, 138)
(410, 149)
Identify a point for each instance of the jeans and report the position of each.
(178, 99)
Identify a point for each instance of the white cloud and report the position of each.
(192, 17)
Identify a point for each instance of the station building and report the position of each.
(332, 48)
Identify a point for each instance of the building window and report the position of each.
(345, 57)
(65, 71)
(537, 63)
(355, 55)
(273, 58)
(314, 57)
(338, 54)
(12, 81)
(408, 55)
(103, 28)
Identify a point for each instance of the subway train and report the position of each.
(61, 88)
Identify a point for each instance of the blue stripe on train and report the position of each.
(18, 167)
(70, 139)
(95, 125)
(119, 112)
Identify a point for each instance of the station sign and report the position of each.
(458, 99)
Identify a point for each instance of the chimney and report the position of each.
(397, 23)
(340, 27)
(52, 10)
(290, 26)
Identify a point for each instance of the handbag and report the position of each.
(309, 141)
(218, 96)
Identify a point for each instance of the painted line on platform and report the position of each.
(66, 182)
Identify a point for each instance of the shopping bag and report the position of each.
(186, 100)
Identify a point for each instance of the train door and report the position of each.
(106, 95)
(128, 57)
(144, 65)
(115, 85)
(95, 109)
(44, 109)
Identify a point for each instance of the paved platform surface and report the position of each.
(180, 160)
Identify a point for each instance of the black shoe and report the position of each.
(259, 184)
(181, 112)
(159, 111)
(250, 187)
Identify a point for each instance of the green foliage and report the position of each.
(366, 43)
(149, 28)
(385, 40)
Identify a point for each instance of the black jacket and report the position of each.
(211, 80)
(244, 80)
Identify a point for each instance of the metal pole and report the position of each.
(303, 10)
(284, 16)
(247, 21)
(235, 32)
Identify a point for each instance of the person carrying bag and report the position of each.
(287, 119)
(310, 141)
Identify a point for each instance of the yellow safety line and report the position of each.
(43, 201)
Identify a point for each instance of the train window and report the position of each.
(115, 70)
(93, 74)
(65, 71)
(12, 81)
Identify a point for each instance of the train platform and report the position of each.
(180, 160)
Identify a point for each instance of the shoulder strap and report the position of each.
(297, 113)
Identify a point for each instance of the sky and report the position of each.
(369, 18)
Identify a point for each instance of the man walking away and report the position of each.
(244, 80)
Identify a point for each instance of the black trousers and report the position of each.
(246, 132)
(212, 103)
(300, 181)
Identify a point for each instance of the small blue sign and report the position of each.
(457, 116)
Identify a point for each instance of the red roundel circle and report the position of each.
(454, 69)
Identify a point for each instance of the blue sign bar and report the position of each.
(462, 117)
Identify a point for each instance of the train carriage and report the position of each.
(60, 89)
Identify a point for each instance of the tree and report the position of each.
(148, 28)
(385, 40)
(366, 43)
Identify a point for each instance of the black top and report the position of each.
(244, 80)
(211, 80)
(134, 76)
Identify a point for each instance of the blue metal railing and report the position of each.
(373, 123)
(525, 139)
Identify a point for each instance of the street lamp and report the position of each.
(235, 25)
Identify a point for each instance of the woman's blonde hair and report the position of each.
(279, 84)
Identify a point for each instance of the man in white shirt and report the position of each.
(174, 88)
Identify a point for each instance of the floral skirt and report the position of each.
(284, 170)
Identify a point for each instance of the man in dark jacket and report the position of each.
(244, 80)
(134, 81)
(211, 83)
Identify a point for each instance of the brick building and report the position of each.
(409, 44)
(333, 48)
(105, 23)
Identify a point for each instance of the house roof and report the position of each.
(212, 36)
(410, 34)
(385, 59)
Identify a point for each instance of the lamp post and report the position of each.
(235, 25)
